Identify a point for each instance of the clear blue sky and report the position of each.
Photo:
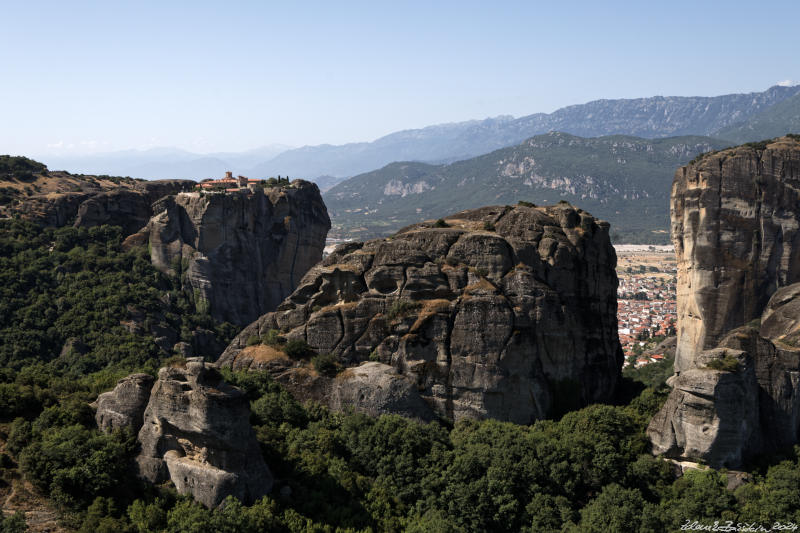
(214, 76)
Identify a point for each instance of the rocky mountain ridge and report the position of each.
(622, 179)
(499, 312)
(775, 121)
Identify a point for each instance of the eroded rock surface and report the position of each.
(735, 221)
(193, 429)
(709, 413)
(371, 387)
(196, 432)
(723, 417)
(241, 253)
(124, 406)
(736, 392)
(128, 206)
(505, 313)
(130, 209)
(54, 210)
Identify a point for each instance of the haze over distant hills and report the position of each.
(733, 117)
(653, 117)
(163, 162)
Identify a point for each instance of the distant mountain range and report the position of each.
(622, 179)
(733, 117)
(775, 121)
(614, 158)
(163, 163)
(643, 117)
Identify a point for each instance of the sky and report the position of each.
(81, 77)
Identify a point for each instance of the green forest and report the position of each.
(69, 298)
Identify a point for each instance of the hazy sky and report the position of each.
(222, 76)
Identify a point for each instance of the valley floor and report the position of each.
(646, 299)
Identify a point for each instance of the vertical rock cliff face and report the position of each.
(505, 312)
(735, 220)
(130, 209)
(128, 205)
(193, 429)
(241, 253)
(125, 405)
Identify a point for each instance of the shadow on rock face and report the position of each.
(481, 315)
(193, 429)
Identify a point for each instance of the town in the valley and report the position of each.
(646, 300)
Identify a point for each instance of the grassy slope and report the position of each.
(21, 178)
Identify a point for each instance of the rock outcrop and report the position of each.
(736, 392)
(124, 406)
(735, 221)
(193, 429)
(376, 388)
(54, 209)
(501, 312)
(710, 412)
(240, 253)
(372, 387)
(741, 398)
(197, 432)
(128, 206)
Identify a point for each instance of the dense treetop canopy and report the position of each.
(589, 471)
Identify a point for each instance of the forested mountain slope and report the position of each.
(624, 180)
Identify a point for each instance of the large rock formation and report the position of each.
(241, 253)
(502, 312)
(735, 227)
(710, 412)
(194, 431)
(741, 398)
(735, 221)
